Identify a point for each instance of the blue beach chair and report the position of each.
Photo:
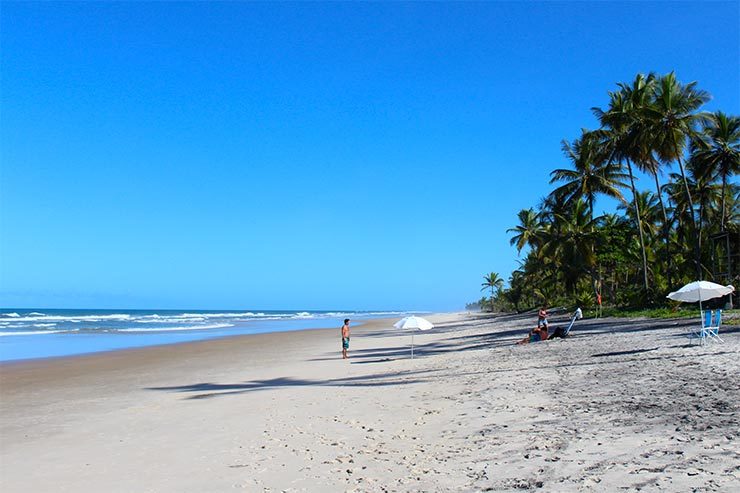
(710, 323)
(712, 331)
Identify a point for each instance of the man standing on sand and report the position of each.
(345, 338)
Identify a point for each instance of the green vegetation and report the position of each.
(688, 311)
(660, 238)
(729, 317)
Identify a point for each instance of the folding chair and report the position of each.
(700, 332)
(712, 331)
(577, 315)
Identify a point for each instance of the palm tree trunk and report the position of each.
(697, 233)
(722, 230)
(591, 207)
(639, 227)
(666, 237)
(595, 280)
(722, 217)
(660, 198)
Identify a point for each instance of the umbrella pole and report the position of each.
(412, 345)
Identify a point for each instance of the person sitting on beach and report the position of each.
(535, 335)
(542, 316)
(557, 332)
(562, 332)
(345, 338)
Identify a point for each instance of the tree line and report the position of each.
(683, 227)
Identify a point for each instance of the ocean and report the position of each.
(43, 333)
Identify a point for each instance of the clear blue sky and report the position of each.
(339, 155)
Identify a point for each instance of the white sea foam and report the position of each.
(156, 322)
(31, 332)
(71, 318)
(169, 320)
(170, 329)
(219, 315)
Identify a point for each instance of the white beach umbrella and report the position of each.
(700, 291)
(413, 323)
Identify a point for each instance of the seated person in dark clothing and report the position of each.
(558, 332)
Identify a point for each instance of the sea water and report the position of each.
(42, 333)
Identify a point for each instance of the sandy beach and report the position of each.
(621, 405)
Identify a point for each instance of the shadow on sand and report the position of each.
(456, 343)
(520, 325)
(207, 390)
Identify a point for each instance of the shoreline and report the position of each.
(20, 373)
(51, 359)
(138, 330)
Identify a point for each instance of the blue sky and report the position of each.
(325, 156)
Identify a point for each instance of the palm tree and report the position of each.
(640, 145)
(591, 174)
(649, 208)
(527, 231)
(492, 281)
(515, 292)
(674, 190)
(706, 193)
(571, 243)
(613, 236)
(671, 121)
(617, 146)
(717, 152)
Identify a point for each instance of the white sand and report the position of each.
(618, 407)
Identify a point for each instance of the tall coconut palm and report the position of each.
(717, 152)
(639, 144)
(671, 121)
(591, 175)
(617, 123)
(492, 281)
